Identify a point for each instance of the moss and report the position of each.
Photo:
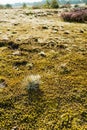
(6, 104)
(61, 102)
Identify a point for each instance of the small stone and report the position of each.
(54, 31)
(14, 128)
(2, 83)
(15, 24)
(62, 26)
(63, 46)
(66, 32)
(8, 29)
(81, 31)
(52, 51)
(40, 40)
(64, 69)
(42, 53)
(16, 68)
(44, 27)
(18, 39)
(68, 49)
(63, 65)
(3, 48)
(14, 32)
(29, 65)
(5, 38)
(35, 39)
(16, 53)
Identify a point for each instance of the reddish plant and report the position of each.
(77, 15)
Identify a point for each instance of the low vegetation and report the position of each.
(77, 15)
(32, 82)
(43, 71)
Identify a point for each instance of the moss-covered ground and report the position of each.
(61, 101)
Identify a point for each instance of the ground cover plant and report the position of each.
(43, 71)
(77, 15)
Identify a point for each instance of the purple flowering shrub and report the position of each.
(76, 15)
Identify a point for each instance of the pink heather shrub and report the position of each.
(77, 15)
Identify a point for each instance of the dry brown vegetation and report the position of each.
(38, 42)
